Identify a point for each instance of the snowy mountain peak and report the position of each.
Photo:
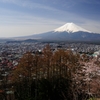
(70, 28)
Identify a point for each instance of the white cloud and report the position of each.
(28, 4)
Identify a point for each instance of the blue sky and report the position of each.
(27, 17)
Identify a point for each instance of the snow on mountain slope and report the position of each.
(70, 28)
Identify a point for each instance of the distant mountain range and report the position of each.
(68, 32)
(20, 41)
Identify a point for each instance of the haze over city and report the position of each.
(27, 17)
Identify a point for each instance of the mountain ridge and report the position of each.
(67, 32)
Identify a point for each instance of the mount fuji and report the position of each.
(68, 32)
(70, 28)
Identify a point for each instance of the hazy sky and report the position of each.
(27, 17)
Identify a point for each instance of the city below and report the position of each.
(11, 53)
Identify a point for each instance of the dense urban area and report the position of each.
(88, 81)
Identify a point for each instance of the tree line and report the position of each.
(50, 76)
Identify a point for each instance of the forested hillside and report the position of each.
(59, 75)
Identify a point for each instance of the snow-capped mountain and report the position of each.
(63, 33)
(70, 28)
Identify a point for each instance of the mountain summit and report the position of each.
(68, 32)
(70, 28)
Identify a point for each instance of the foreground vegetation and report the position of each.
(58, 75)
